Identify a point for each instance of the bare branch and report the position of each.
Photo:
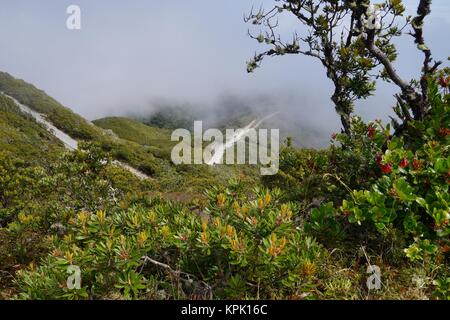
(178, 274)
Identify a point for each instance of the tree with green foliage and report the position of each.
(353, 41)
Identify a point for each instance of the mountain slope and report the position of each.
(22, 136)
(136, 145)
(76, 126)
(156, 139)
(63, 118)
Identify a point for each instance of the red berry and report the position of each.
(443, 82)
(417, 164)
(386, 168)
(404, 163)
(371, 132)
(378, 159)
(444, 132)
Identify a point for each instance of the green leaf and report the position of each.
(441, 165)
(404, 191)
(422, 202)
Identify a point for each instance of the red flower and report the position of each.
(444, 132)
(371, 132)
(378, 159)
(404, 163)
(333, 136)
(386, 168)
(443, 82)
(417, 164)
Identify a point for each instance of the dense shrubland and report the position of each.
(376, 188)
(307, 233)
(379, 195)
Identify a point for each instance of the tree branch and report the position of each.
(177, 274)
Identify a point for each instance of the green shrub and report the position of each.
(235, 248)
(412, 193)
(307, 174)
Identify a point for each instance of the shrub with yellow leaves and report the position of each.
(243, 245)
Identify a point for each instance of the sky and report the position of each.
(130, 54)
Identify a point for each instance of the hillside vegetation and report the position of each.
(156, 139)
(21, 135)
(199, 232)
(76, 126)
(62, 117)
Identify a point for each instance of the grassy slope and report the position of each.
(76, 126)
(62, 117)
(170, 178)
(133, 130)
(143, 147)
(156, 139)
(24, 137)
